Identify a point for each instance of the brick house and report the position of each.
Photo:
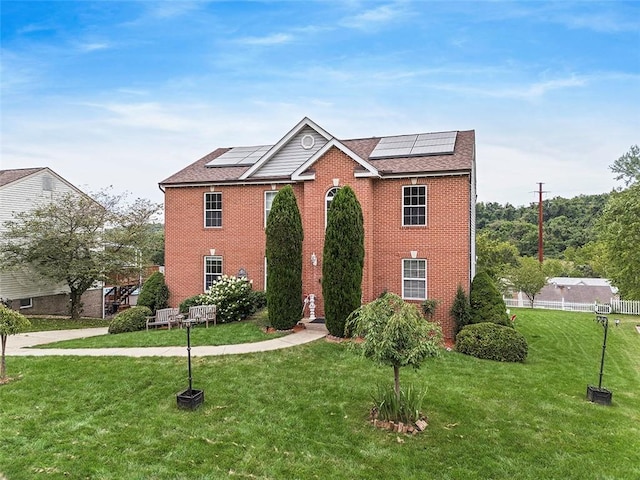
(417, 194)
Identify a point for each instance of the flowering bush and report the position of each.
(233, 297)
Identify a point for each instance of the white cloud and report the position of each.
(147, 116)
(274, 39)
(92, 46)
(375, 17)
(524, 91)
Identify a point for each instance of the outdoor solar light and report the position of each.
(190, 398)
(598, 394)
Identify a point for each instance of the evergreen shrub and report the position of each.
(284, 260)
(343, 260)
(486, 301)
(130, 320)
(491, 341)
(154, 293)
(461, 310)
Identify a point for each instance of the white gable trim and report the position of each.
(305, 122)
(39, 173)
(370, 170)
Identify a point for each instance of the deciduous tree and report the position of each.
(620, 237)
(78, 240)
(627, 167)
(528, 277)
(394, 333)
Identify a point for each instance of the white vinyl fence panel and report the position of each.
(622, 307)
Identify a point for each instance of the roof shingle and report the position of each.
(460, 160)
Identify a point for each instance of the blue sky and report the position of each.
(127, 93)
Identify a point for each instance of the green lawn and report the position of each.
(302, 413)
(39, 324)
(223, 334)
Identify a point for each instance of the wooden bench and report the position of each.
(164, 317)
(203, 314)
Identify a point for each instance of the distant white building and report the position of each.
(577, 290)
(22, 190)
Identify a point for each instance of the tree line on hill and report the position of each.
(585, 236)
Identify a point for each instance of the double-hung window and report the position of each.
(212, 270)
(213, 209)
(414, 205)
(414, 279)
(268, 201)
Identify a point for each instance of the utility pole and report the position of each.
(540, 242)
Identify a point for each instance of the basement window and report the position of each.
(26, 302)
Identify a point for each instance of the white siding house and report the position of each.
(22, 190)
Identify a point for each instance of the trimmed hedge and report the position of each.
(491, 341)
(130, 320)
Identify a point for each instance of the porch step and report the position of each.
(316, 327)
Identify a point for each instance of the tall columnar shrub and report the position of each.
(284, 260)
(461, 310)
(154, 293)
(486, 301)
(343, 260)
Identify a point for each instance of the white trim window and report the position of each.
(265, 273)
(268, 202)
(212, 270)
(414, 279)
(414, 205)
(328, 198)
(213, 209)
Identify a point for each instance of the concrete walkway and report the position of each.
(17, 345)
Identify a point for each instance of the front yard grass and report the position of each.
(43, 323)
(301, 413)
(223, 334)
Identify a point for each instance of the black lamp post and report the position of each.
(189, 398)
(599, 394)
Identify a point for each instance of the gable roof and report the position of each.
(10, 176)
(291, 158)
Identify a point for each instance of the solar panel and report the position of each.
(415, 145)
(240, 156)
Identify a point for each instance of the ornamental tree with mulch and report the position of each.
(284, 261)
(342, 260)
(394, 333)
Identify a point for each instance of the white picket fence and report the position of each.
(622, 307)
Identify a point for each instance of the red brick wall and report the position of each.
(443, 242)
